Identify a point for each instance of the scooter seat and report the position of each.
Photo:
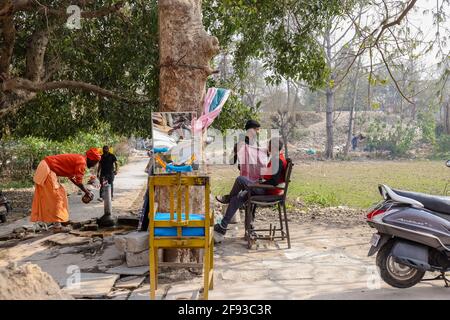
(430, 202)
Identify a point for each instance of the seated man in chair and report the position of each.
(238, 194)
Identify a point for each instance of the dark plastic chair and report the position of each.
(253, 201)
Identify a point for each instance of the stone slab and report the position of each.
(92, 285)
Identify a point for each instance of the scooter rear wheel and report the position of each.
(396, 274)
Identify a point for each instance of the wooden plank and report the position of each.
(186, 202)
(171, 180)
(175, 223)
(189, 243)
(179, 210)
(171, 202)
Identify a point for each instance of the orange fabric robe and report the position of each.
(50, 198)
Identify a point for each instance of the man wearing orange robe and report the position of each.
(50, 203)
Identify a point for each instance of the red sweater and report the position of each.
(278, 177)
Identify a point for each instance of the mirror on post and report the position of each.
(175, 147)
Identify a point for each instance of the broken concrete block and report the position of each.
(132, 242)
(137, 259)
(125, 270)
(120, 242)
(91, 285)
(120, 294)
(132, 282)
(188, 290)
(141, 294)
(64, 239)
(136, 241)
(90, 227)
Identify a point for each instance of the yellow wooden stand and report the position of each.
(181, 186)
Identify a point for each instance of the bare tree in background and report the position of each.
(285, 121)
(352, 116)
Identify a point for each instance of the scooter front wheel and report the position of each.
(396, 274)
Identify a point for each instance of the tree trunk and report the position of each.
(351, 119)
(286, 149)
(329, 153)
(447, 117)
(185, 53)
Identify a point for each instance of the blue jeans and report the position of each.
(238, 196)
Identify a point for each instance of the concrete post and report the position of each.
(106, 220)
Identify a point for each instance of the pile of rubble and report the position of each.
(28, 282)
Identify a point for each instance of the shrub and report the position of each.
(443, 146)
(19, 157)
(397, 139)
(427, 125)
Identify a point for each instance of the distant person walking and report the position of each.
(107, 169)
(356, 140)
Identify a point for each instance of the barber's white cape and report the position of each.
(252, 161)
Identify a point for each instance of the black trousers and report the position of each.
(110, 179)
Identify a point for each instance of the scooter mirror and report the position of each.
(448, 163)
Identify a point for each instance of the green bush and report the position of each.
(19, 157)
(427, 125)
(443, 146)
(397, 139)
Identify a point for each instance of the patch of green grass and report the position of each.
(351, 183)
(324, 199)
(16, 184)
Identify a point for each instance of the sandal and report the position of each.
(61, 229)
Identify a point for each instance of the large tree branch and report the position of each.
(30, 86)
(392, 76)
(10, 7)
(13, 6)
(382, 28)
(8, 37)
(35, 55)
(397, 21)
(84, 14)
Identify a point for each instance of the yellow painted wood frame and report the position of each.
(176, 183)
